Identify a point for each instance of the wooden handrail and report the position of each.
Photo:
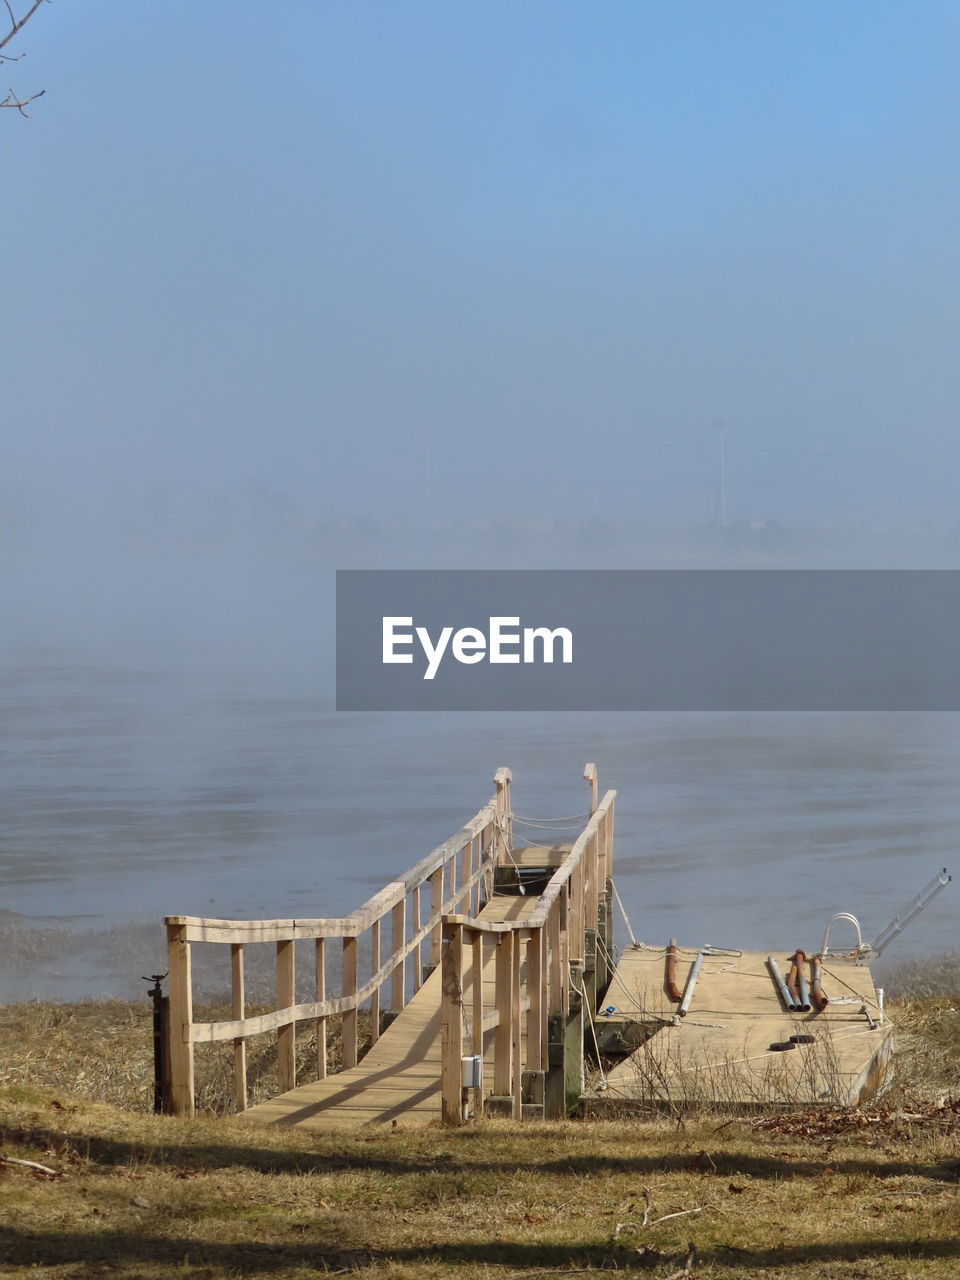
(559, 878)
(533, 974)
(475, 847)
(207, 929)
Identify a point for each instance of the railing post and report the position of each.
(595, 864)
(537, 1009)
(436, 906)
(476, 845)
(237, 1009)
(466, 871)
(590, 776)
(181, 1018)
(321, 968)
(516, 1029)
(504, 817)
(374, 967)
(554, 960)
(398, 981)
(451, 1000)
(418, 949)
(575, 940)
(477, 1021)
(503, 1036)
(286, 1036)
(349, 1023)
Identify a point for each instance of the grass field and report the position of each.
(869, 1193)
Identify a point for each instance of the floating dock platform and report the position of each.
(722, 1051)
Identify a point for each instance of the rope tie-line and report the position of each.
(533, 822)
(581, 991)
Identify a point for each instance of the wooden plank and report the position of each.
(554, 980)
(237, 1009)
(321, 1022)
(286, 1035)
(349, 984)
(516, 1026)
(417, 951)
(465, 896)
(375, 997)
(540, 855)
(477, 1023)
(593, 781)
(436, 906)
(503, 1037)
(592, 887)
(536, 1015)
(575, 938)
(451, 1016)
(180, 1047)
(398, 982)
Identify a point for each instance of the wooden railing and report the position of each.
(537, 961)
(395, 921)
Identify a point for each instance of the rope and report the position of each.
(536, 822)
(593, 1031)
(509, 851)
(623, 912)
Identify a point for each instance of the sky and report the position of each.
(383, 261)
(294, 287)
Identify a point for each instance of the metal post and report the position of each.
(159, 1083)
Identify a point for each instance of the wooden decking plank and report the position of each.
(721, 1050)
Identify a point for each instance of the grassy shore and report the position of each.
(869, 1193)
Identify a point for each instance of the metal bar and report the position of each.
(673, 991)
(780, 984)
(692, 977)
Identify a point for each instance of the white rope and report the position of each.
(534, 822)
(623, 912)
(593, 1031)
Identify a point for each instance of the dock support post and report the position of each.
(564, 1079)
(503, 1037)
(451, 1035)
(238, 1012)
(349, 984)
(286, 1036)
(181, 1019)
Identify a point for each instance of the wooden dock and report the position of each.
(500, 949)
(720, 1052)
(399, 1079)
(487, 949)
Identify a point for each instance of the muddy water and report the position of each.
(131, 791)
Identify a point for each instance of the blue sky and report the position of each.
(402, 258)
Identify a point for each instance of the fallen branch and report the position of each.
(31, 1164)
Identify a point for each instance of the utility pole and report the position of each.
(722, 477)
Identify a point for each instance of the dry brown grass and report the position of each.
(133, 1195)
(103, 1050)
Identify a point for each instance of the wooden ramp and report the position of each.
(399, 1079)
(720, 1052)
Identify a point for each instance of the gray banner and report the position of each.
(644, 640)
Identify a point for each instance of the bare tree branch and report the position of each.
(17, 24)
(13, 100)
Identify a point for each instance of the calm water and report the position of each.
(131, 792)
